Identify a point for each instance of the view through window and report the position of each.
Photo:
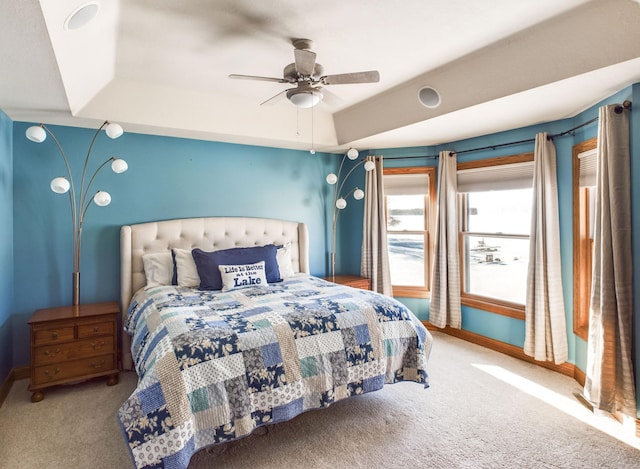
(494, 206)
(409, 200)
(496, 244)
(406, 235)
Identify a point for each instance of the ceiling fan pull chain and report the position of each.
(313, 150)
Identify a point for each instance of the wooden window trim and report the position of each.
(498, 161)
(483, 303)
(492, 305)
(411, 292)
(582, 246)
(420, 292)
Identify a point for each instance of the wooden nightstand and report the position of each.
(351, 281)
(73, 343)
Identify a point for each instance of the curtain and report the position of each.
(545, 319)
(445, 278)
(375, 257)
(609, 384)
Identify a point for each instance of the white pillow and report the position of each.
(283, 256)
(242, 276)
(158, 268)
(186, 268)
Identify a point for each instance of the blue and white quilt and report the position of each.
(214, 365)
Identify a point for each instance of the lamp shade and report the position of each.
(119, 166)
(102, 198)
(332, 179)
(35, 133)
(352, 154)
(304, 99)
(369, 166)
(358, 194)
(341, 203)
(113, 130)
(60, 185)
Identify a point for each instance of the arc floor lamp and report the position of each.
(80, 200)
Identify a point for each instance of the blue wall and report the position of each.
(167, 178)
(6, 244)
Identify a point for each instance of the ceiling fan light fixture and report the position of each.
(304, 99)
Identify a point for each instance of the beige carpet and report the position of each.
(469, 418)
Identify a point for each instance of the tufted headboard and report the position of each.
(208, 234)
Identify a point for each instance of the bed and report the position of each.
(251, 340)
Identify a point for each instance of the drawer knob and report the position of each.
(97, 345)
(52, 353)
(50, 374)
(96, 329)
(54, 335)
(97, 365)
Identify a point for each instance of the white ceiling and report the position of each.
(161, 66)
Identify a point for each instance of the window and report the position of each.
(494, 198)
(409, 203)
(584, 181)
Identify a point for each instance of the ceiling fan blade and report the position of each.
(305, 61)
(331, 98)
(372, 76)
(274, 99)
(252, 77)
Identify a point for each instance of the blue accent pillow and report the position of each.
(174, 277)
(207, 263)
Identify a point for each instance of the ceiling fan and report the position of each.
(309, 78)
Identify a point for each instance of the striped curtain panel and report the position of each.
(374, 262)
(545, 320)
(609, 384)
(445, 279)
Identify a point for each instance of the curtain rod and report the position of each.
(618, 109)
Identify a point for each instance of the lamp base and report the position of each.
(75, 283)
(333, 266)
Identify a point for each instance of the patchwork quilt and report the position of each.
(213, 365)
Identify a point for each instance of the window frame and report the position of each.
(493, 305)
(582, 244)
(430, 210)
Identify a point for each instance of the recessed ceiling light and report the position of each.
(429, 97)
(81, 16)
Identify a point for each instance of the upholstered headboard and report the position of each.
(208, 234)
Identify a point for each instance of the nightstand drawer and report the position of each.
(95, 329)
(53, 335)
(73, 350)
(83, 368)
